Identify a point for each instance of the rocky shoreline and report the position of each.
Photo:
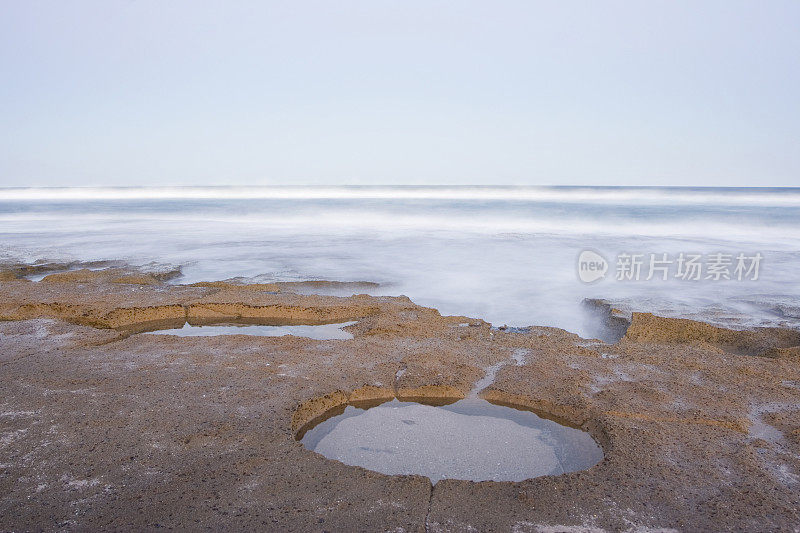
(102, 428)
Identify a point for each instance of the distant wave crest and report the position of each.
(788, 197)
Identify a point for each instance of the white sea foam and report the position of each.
(509, 260)
(333, 221)
(592, 195)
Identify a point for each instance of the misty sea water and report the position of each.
(504, 254)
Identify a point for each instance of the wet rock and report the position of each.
(104, 430)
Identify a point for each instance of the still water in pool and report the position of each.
(317, 332)
(470, 439)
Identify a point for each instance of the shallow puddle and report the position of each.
(470, 439)
(317, 332)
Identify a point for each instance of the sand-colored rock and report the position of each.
(792, 352)
(7, 275)
(107, 429)
(646, 327)
(310, 314)
(316, 407)
(258, 287)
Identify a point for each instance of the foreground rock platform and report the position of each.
(104, 428)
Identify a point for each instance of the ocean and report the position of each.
(508, 255)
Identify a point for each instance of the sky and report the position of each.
(190, 92)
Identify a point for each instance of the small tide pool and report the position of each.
(317, 331)
(471, 439)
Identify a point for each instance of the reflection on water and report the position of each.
(470, 439)
(318, 332)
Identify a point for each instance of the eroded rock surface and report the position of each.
(103, 428)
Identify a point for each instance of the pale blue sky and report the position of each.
(519, 92)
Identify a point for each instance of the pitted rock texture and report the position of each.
(105, 429)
